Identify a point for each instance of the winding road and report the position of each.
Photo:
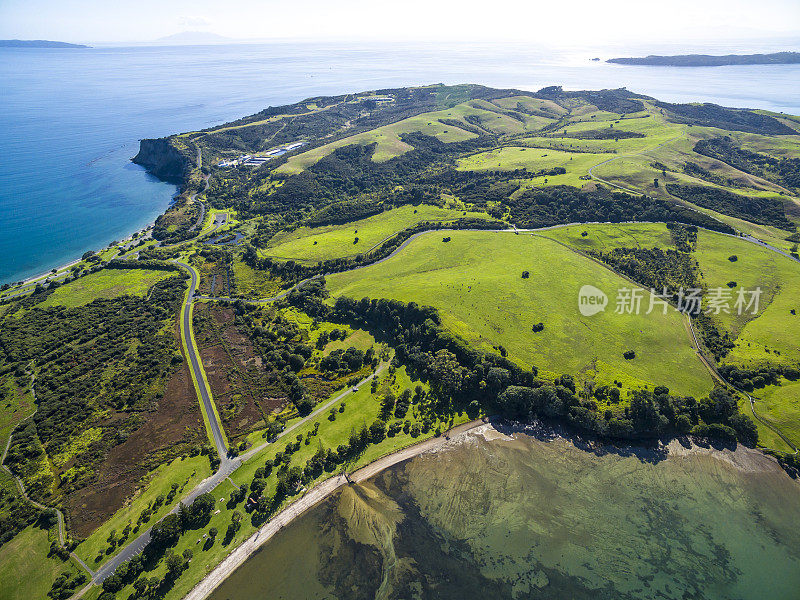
(198, 375)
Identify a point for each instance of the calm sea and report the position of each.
(70, 120)
(519, 517)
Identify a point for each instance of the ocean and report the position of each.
(70, 119)
(493, 515)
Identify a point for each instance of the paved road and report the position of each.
(209, 484)
(187, 331)
(309, 499)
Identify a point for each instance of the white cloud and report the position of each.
(194, 21)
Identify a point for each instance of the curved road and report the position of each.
(187, 333)
(228, 464)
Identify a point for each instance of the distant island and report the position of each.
(706, 60)
(38, 44)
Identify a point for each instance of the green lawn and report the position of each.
(475, 281)
(108, 283)
(187, 473)
(336, 241)
(26, 572)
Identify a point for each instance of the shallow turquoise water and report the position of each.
(71, 119)
(523, 518)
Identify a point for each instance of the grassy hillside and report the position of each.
(475, 280)
(337, 241)
(774, 335)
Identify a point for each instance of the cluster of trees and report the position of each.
(64, 585)
(74, 349)
(731, 119)
(176, 224)
(347, 361)
(650, 413)
(566, 204)
(163, 537)
(654, 268)
(606, 133)
(683, 236)
(753, 378)
(758, 209)
(784, 171)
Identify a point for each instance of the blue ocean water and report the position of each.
(70, 120)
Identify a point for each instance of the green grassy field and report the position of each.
(780, 406)
(108, 283)
(775, 328)
(26, 572)
(187, 473)
(513, 157)
(607, 236)
(336, 241)
(475, 281)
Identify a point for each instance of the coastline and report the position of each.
(742, 458)
(67, 265)
(313, 497)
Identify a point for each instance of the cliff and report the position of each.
(163, 159)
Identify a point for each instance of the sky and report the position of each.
(568, 23)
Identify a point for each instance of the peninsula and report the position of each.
(350, 277)
(38, 44)
(707, 60)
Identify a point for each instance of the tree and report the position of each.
(175, 564)
(140, 585)
(166, 532)
(447, 373)
(377, 431)
(746, 431)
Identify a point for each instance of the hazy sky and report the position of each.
(568, 22)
